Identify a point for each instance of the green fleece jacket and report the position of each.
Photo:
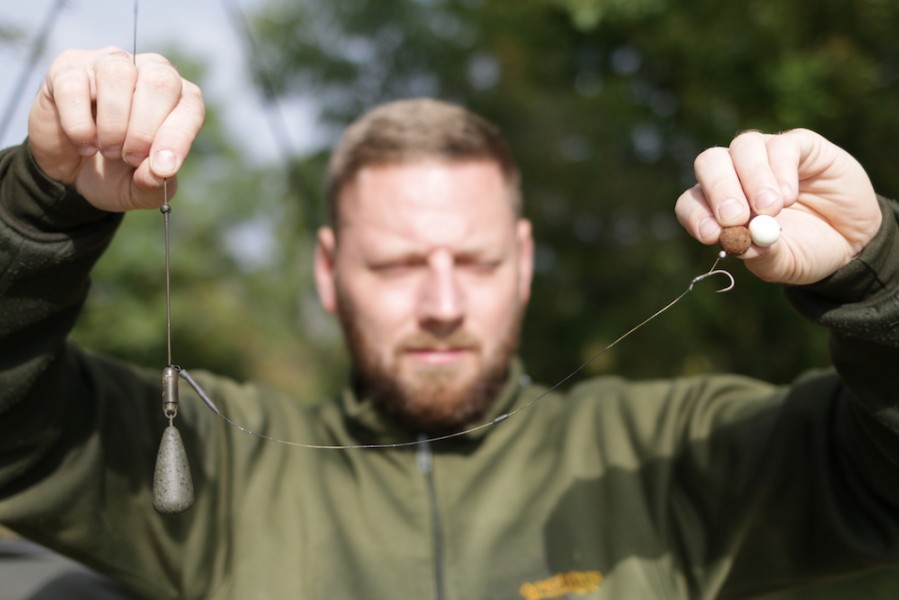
(702, 487)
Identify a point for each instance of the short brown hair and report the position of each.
(417, 129)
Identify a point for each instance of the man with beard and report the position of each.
(428, 279)
(713, 486)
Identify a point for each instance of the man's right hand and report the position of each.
(114, 127)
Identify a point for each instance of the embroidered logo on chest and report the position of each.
(560, 584)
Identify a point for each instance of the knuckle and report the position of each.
(750, 137)
(116, 66)
(779, 142)
(709, 156)
(160, 77)
(192, 90)
(113, 50)
(68, 57)
(194, 97)
(67, 79)
(154, 58)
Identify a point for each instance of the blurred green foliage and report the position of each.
(606, 103)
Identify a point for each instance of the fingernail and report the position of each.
(87, 149)
(133, 158)
(708, 229)
(765, 200)
(113, 153)
(729, 211)
(787, 191)
(164, 162)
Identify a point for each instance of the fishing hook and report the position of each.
(724, 272)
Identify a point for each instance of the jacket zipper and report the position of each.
(425, 460)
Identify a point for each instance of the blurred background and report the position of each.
(605, 103)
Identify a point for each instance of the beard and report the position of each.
(430, 400)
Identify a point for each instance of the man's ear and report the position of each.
(525, 241)
(325, 257)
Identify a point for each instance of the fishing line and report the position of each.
(173, 491)
(134, 33)
(166, 210)
(713, 271)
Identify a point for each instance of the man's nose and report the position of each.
(442, 302)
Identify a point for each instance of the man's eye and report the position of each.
(479, 266)
(395, 267)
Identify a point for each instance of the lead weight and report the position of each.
(173, 487)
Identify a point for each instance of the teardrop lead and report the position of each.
(173, 487)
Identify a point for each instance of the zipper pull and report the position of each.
(423, 455)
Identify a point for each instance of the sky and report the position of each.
(198, 28)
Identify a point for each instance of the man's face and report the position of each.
(430, 277)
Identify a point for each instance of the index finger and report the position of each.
(157, 92)
(717, 176)
(173, 139)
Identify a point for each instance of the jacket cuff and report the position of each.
(864, 294)
(36, 205)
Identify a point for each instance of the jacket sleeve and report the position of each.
(817, 493)
(79, 433)
(49, 240)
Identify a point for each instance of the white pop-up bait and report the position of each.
(765, 230)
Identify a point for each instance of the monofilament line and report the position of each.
(134, 34)
(713, 271)
(166, 210)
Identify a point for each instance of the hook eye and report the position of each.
(727, 274)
